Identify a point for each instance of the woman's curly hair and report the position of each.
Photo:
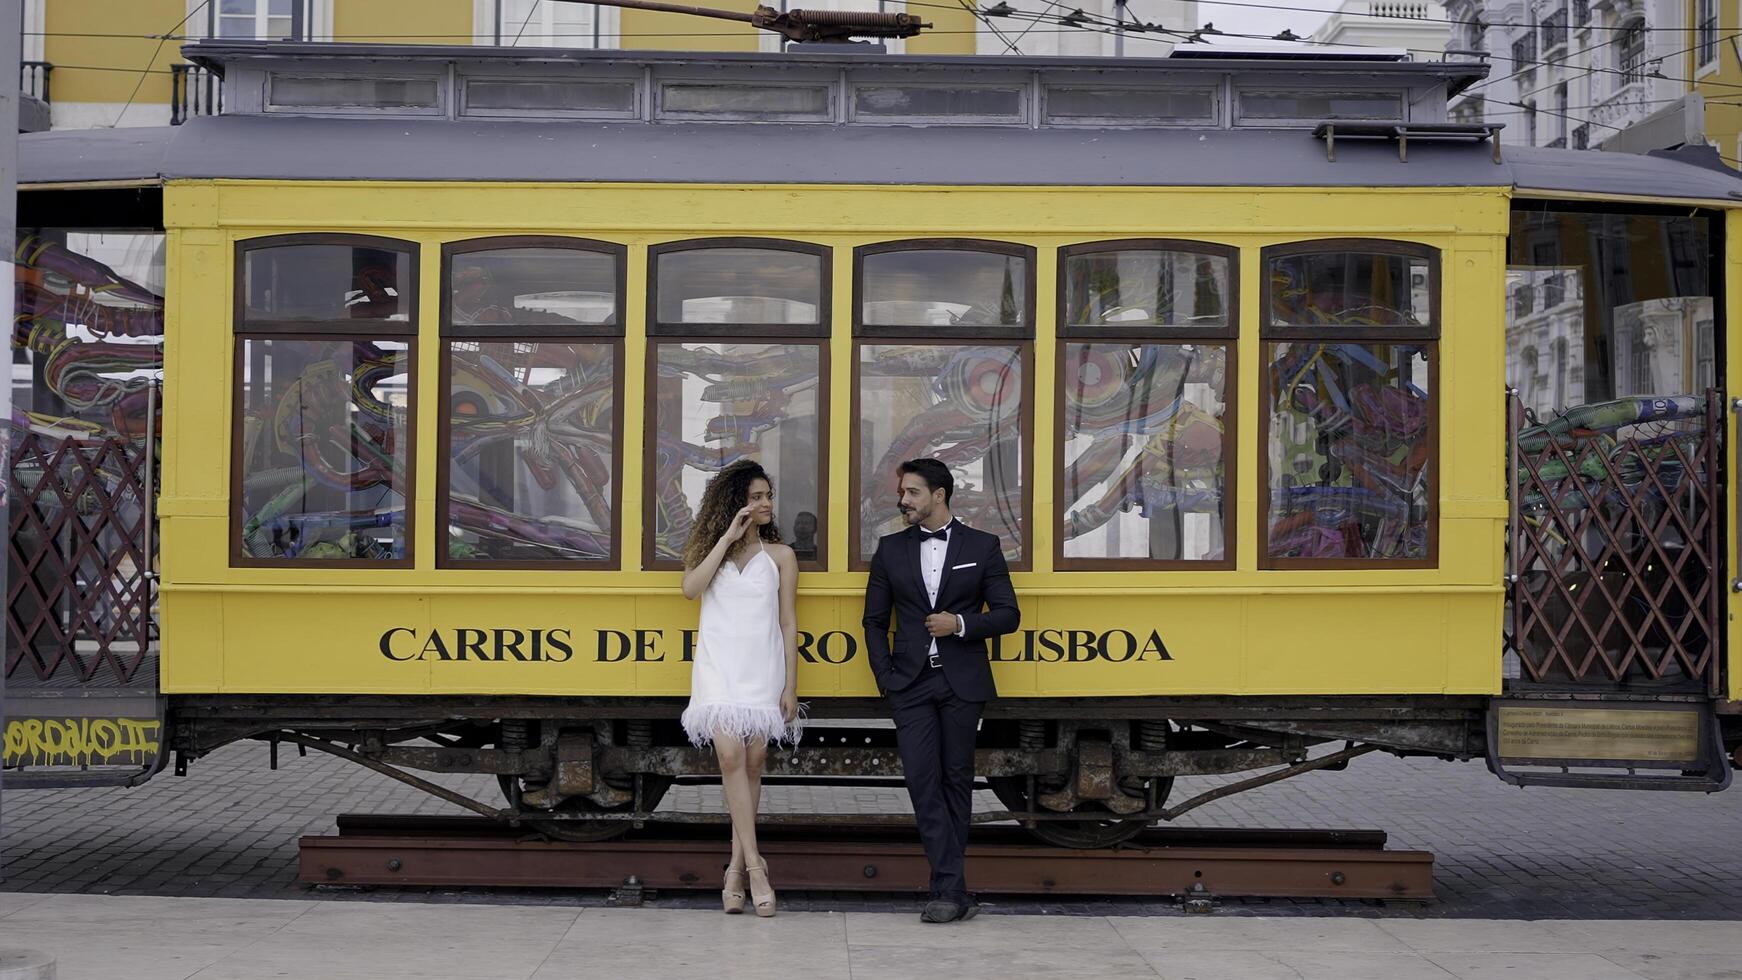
(722, 498)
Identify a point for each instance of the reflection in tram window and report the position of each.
(739, 285)
(943, 287)
(533, 286)
(1608, 307)
(89, 325)
(716, 403)
(1146, 287)
(961, 404)
(530, 455)
(323, 448)
(1350, 447)
(325, 282)
(1144, 442)
(1348, 288)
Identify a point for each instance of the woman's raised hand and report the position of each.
(740, 524)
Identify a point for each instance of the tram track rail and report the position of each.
(868, 856)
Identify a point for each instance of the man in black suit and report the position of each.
(949, 590)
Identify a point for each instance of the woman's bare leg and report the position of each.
(741, 799)
(755, 755)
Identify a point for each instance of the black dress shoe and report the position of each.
(947, 910)
(940, 910)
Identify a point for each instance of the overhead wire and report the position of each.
(147, 70)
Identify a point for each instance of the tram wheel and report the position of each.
(585, 831)
(1086, 834)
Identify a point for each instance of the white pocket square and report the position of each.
(968, 565)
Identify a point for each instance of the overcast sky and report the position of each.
(1259, 20)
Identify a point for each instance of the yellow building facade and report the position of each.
(112, 63)
(1715, 69)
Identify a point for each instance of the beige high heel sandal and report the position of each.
(733, 898)
(763, 898)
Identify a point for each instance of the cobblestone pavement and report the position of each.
(230, 828)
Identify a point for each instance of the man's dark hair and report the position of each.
(935, 474)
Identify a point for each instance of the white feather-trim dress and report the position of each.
(739, 671)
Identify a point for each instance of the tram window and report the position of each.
(1070, 105)
(712, 402)
(316, 92)
(323, 451)
(1350, 288)
(1117, 289)
(963, 403)
(955, 104)
(1145, 440)
(324, 413)
(529, 449)
(739, 100)
(1610, 307)
(527, 286)
(1269, 107)
(723, 286)
(298, 283)
(530, 426)
(940, 369)
(493, 96)
(970, 287)
(1351, 414)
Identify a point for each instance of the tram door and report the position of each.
(81, 703)
(1614, 647)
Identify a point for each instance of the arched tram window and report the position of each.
(1350, 413)
(531, 383)
(942, 367)
(1146, 453)
(737, 368)
(322, 453)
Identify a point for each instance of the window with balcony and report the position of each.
(1630, 52)
(1554, 31)
(1524, 53)
(540, 24)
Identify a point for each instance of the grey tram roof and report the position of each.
(269, 146)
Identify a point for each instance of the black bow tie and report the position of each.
(941, 534)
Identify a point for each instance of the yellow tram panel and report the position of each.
(1238, 631)
(1732, 280)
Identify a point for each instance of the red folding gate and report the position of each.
(1616, 553)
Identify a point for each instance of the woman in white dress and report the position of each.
(743, 683)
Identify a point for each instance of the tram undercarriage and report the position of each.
(1074, 773)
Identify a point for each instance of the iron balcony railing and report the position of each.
(1524, 52)
(34, 77)
(193, 91)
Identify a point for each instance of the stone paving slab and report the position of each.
(229, 829)
(255, 940)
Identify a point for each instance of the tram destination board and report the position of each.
(1653, 734)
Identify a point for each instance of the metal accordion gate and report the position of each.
(81, 692)
(1613, 642)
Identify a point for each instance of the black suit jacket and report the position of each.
(975, 584)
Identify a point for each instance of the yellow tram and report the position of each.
(451, 339)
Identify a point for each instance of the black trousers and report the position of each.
(935, 731)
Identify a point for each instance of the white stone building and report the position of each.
(1584, 74)
(1416, 28)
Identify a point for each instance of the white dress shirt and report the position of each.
(931, 566)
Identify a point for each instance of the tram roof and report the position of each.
(274, 147)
